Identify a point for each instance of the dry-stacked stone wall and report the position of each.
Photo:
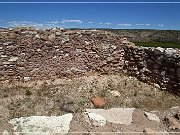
(158, 66)
(27, 54)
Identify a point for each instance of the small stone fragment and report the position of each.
(7, 43)
(115, 93)
(158, 50)
(98, 101)
(58, 33)
(152, 117)
(37, 36)
(13, 59)
(52, 37)
(3, 56)
(27, 79)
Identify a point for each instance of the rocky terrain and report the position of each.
(68, 74)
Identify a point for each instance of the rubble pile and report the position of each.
(27, 54)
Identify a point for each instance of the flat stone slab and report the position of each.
(38, 124)
(95, 119)
(115, 115)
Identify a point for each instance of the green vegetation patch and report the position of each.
(158, 44)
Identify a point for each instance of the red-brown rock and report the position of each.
(98, 101)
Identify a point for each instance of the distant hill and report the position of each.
(145, 35)
(148, 35)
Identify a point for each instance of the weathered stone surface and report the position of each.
(158, 50)
(59, 124)
(38, 36)
(3, 56)
(27, 79)
(7, 43)
(172, 122)
(58, 33)
(52, 37)
(115, 93)
(13, 59)
(152, 117)
(169, 52)
(115, 115)
(95, 119)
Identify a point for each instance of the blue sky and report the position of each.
(118, 16)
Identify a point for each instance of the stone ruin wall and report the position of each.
(78, 52)
(158, 66)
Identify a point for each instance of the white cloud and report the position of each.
(125, 25)
(161, 25)
(90, 22)
(140, 24)
(107, 23)
(37, 24)
(46, 24)
(71, 21)
(20, 22)
(24, 23)
(100, 23)
(54, 22)
(13, 23)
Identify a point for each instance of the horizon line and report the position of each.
(78, 2)
(83, 28)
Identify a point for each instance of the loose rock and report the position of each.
(115, 93)
(51, 124)
(115, 115)
(98, 102)
(13, 59)
(27, 79)
(152, 117)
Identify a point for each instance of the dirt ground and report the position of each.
(61, 96)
